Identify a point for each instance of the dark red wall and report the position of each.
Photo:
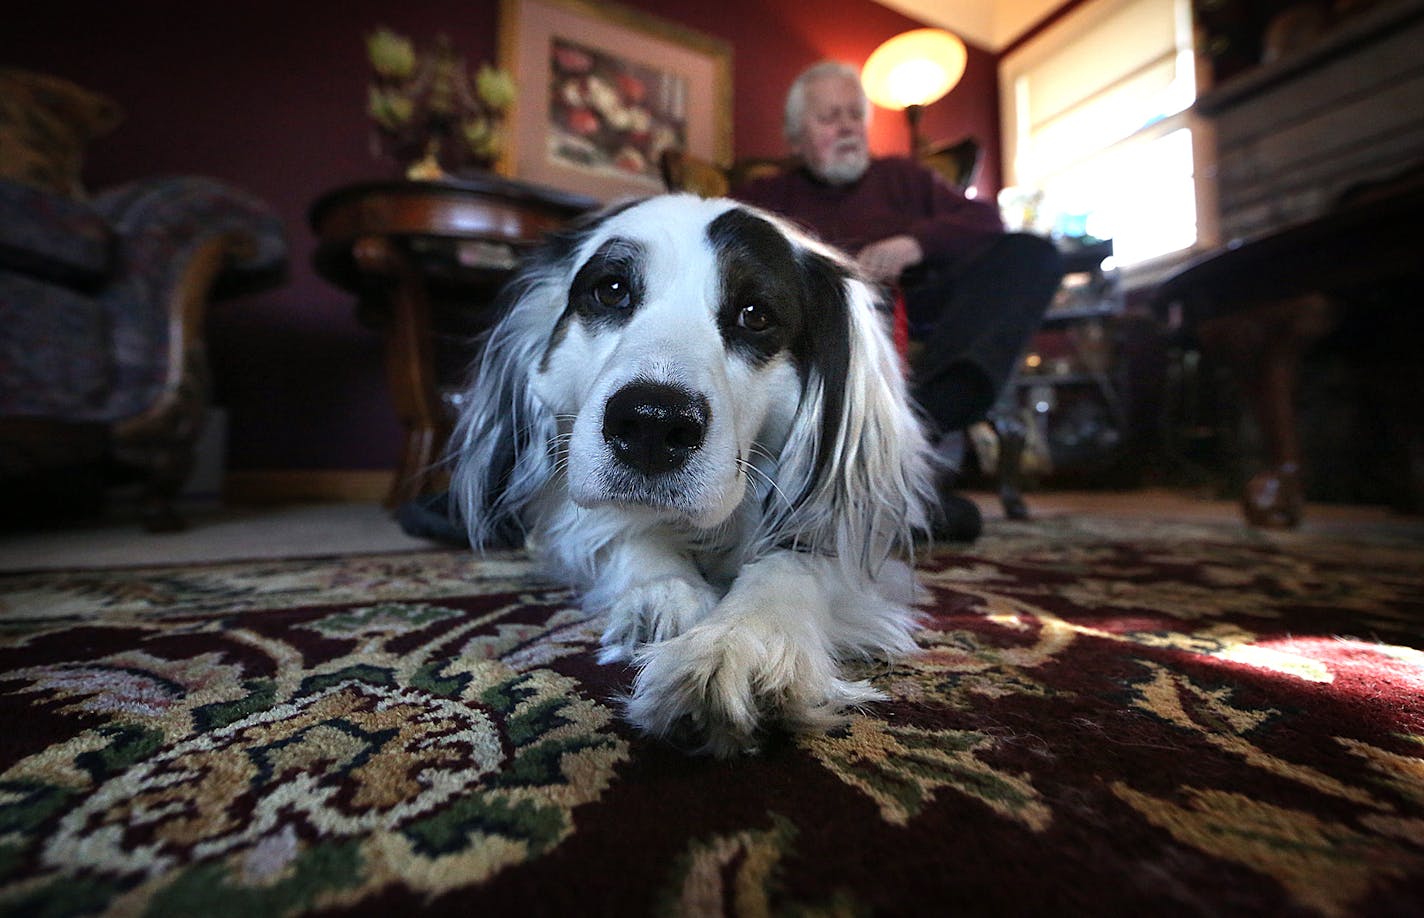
(270, 96)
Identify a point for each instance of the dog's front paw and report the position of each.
(725, 680)
(653, 611)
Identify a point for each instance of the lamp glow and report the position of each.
(914, 68)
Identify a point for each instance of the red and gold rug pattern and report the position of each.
(1107, 717)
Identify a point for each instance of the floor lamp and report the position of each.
(912, 70)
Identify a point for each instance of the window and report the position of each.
(1095, 116)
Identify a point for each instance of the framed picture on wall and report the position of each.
(603, 90)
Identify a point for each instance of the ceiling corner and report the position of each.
(990, 24)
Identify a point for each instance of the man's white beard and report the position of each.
(846, 167)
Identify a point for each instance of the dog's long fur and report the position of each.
(769, 549)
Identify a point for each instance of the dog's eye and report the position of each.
(754, 318)
(612, 292)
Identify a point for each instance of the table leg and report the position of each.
(410, 367)
(1013, 435)
(1263, 344)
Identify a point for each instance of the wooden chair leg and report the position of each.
(167, 472)
(1012, 436)
(161, 443)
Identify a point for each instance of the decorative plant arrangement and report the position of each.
(429, 115)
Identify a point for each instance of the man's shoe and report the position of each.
(958, 519)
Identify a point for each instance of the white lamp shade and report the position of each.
(913, 68)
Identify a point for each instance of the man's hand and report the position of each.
(884, 260)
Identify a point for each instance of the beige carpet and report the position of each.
(214, 534)
(330, 529)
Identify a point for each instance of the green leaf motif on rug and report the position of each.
(388, 618)
(261, 695)
(539, 825)
(537, 720)
(506, 696)
(129, 745)
(25, 805)
(543, 764)
(61, 898)
(441, 789)
(428, 679)
(563, 758)
(209, 889)
(901, 768)
(529, 721)
(11, 857)
(360, 672)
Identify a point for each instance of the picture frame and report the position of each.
(603, 89)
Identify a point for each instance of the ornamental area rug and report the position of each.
(1106, 718)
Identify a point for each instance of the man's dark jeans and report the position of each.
(975, 324)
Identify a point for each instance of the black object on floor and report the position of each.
(429, 517)
(958, 519)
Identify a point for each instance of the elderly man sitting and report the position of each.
(973, 293)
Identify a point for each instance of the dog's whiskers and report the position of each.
(757, 448)
(751, 471)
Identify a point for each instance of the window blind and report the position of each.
(1096, 123)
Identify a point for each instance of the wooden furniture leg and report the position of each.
(1009, 427)
(410, 366)
(163, 439)
(1263, 344)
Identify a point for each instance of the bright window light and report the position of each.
(1141, 194)
(1096, 121)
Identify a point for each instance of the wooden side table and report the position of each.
(1260, 304)
(410, 249)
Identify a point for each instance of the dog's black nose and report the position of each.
(655, 427)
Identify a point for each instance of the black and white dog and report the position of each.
(695, 415)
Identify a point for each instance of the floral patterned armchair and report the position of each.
(102, 302)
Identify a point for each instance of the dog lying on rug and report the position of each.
(695, 415)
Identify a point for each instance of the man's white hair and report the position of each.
(795, 114)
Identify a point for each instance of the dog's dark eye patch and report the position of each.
(610, 286)
(760, 311)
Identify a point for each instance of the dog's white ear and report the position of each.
(857, 453)
(500, 445)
